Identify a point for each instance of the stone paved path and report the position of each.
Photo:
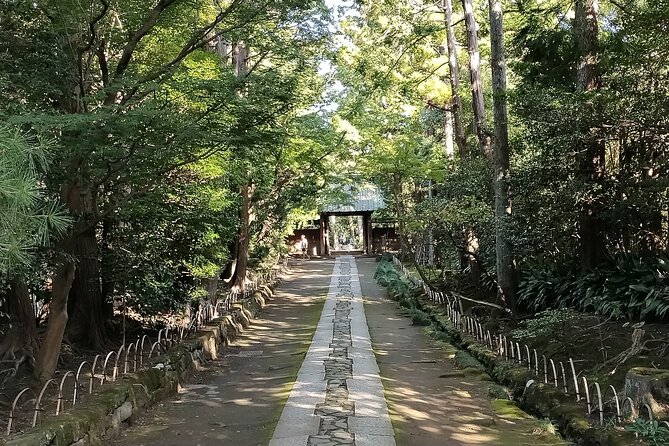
(337, 398)
(306, 374)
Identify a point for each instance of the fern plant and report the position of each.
(625, 287)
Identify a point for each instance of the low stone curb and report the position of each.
(540, 399)
(102, 418)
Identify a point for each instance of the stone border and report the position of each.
(337, 408)
(103, 417)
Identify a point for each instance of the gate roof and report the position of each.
(365, 198)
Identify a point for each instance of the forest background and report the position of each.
(150, 147)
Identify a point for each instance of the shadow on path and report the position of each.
(238, 399)
(429, 400)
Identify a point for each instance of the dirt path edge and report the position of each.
(539, 399)
(109, 410)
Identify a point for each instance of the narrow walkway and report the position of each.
(238, 399)
(306, 374)
(337, 398)
(432, 402)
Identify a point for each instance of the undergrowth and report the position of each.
(401, 289)
(651, 432)
(624, 287)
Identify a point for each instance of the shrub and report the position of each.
(635, 288)
(650, 431)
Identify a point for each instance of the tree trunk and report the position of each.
(240, 69)
(86, 303)
(586, 28)
(478, 107)
(239, 280)
(333, 233)
(20, 343)
(228, 273)
(651, 387)
(223, 50)
(592, 155)
(470, 259)
(240, 54)
(108, 268)
(471, 242)
(22, 313)
(454, 78)
(47, 360)
(448, 135)
(505, 262)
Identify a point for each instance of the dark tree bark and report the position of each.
(239, 280)
(593, 153)
(22, 313)
(485, 143)
(108, 269)
(47, 360)
(454, 80)
(240, 67)
(85, 303)
(505, 261)
(587, 29)
(20, 343)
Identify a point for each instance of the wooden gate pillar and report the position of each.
(323, 236)
(367, 229)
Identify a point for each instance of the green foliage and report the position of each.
(159, 140)
(389, 71)
(561, 329)
(29, 217)
(419, 317)
(550, 323)
(552, 122)
(401, 290)
(495, 391)
(464, 360)
(156, 289)
(198, 295)
(629, 287)
(651, 432)
(399, 287)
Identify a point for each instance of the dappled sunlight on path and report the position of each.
(341, 381)
(238, 398)
(430, 401)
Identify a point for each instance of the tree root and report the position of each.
(637, 347)
(13, 350)
(13, 371)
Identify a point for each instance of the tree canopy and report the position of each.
(148, 148)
